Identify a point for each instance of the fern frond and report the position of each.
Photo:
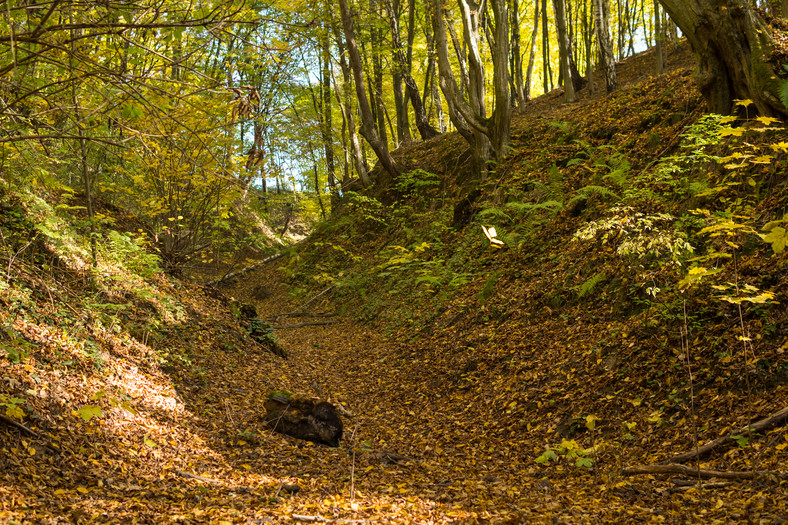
(494, 213)
(589, 191)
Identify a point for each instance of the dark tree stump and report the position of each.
(316, 421)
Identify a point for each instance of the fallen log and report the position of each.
(675, 468)
(764, 424)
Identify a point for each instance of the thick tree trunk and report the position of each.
(731, 43)
(469, 116)
(606, 61)
(502, 113)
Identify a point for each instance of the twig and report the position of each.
(303, 306)
(250, 268)
(321, 519)
(702, 473)
(308, 323)
(195, 476)
(300, 314)
(704, 486)
(353, 466)
(17, 424)
(766, 423)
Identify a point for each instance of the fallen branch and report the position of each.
(704, 486)
(18, 425)
(253, 266)
(195, 476)
(764, 424)
(702, 473)
(321, 519)
(308, 323)
(300, 314)
(303, 306)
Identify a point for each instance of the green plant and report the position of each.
(12, 406)
(570, 450)
(415, 183)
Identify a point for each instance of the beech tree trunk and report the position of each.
(731, 43)
(401, 66)
(529, 75)
(606, 60)
(564, 50)
(470, 116)
(517, 58)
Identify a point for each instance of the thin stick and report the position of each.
(353, 466)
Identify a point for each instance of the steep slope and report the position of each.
(132, 396)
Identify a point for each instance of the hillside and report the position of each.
(480, 385)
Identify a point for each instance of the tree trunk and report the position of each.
(532, 53)
(502, 113)
(564, 51)
(731, 43)
(367, 120)
(517, 57)
(356, 151)
(658, 38)
(547, 72)
(469, 116)
(588, 24)
(606, 61)
(327, 124)
(422, 122)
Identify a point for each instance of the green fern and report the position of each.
(784, 92)
(493, 213)
(589, 191)
(588, 286)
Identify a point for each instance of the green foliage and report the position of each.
(13, 408)
(588, 286)
(587, 192)
(581, 457)
(263, 332)
(130, 251)
(641, 238)
(416, 183)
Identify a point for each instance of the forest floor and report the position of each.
(443, 429)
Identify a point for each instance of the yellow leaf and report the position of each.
(766, 121)
(83, 490)
(247, 467)
(743, 102)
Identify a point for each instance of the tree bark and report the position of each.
(731, 43)
(517, 57)
(606, 60)
(356, 151)
(422, 122)
(469, 116)
(367, 120)
(658, 38)
(532, 53)
(564, 50)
